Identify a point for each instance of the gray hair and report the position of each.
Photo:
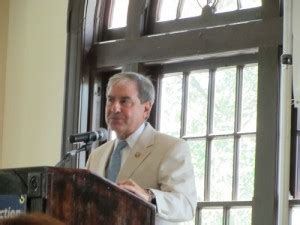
(145, 87)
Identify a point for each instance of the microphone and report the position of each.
(99, 135)
(87, 138)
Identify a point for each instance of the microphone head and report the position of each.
(102, 134)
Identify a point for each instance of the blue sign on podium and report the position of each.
(12, 205)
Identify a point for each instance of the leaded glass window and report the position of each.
(177, 9)
(215, 111)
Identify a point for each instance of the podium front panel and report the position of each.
(77, 196)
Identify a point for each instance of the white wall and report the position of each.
(4, 7)
(34, 87)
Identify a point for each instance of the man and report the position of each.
(154, 166)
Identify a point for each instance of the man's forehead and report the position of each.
(123, 88)
(118, 96)
(124, 82)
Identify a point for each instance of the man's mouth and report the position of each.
(115, 118)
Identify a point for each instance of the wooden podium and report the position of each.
(76, 196)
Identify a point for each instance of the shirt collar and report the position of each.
(132, 139)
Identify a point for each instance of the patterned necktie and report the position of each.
(115, 161)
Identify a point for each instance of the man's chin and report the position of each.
(116, 128)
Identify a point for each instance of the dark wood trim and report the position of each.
(76, 11)
(100, 20)
(271, 8)
(185, 66)
(297, 169)
(135, 19)
(200, 43)
(295, 154)
(295, 202)
(151, 17)
(228, 204)
(113, 34)
(265, 191)
(294, 188)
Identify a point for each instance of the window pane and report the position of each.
(295, 215)
(170, 116)
(240, 216)
(250, 3)
(118, 17)
(246, 168)
(221, 170)
(197, 103)
(167, 10)
(198, 159)
(211, 216)
(249, 98)
(226, 6)
(224, 105)
(190, 8)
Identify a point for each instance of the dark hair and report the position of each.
(145, 87)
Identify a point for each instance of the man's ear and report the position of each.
(147, 109)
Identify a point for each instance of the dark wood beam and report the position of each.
(186, 66)
(198, 42)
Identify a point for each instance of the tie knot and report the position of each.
(121, 144)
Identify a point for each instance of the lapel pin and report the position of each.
(137, 154)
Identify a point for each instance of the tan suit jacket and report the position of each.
(162, 163)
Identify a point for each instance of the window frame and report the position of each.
(86, 57)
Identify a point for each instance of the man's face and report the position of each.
(124, 112)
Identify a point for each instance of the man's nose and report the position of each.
(116, 107)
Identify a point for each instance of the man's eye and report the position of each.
(109, 100)
(125, 101)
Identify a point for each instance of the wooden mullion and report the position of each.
(135, 18)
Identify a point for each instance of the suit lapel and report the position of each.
(139, 153)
